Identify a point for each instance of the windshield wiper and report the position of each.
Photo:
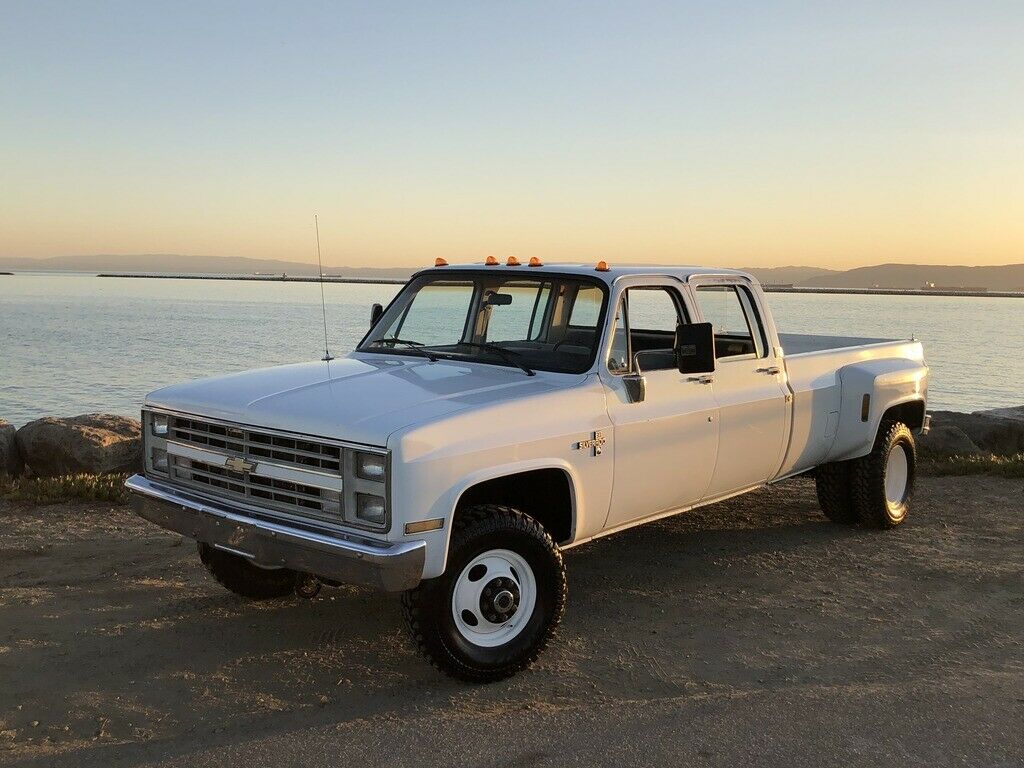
(506, 354)
(414, 346)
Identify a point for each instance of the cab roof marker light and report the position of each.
(535, 262)
(439, 262)
(491, 261)
(512, 262)
(602, 266)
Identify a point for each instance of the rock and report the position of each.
(1014, 414)
(98, 443)
(10, 456)
(998, 434)
(947, 440)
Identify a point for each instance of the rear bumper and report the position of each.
(353, 560)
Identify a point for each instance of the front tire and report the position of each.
(883, 481)
(499, 601)
(238, 575)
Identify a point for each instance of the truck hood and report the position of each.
(359, 399)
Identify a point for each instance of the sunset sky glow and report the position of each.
(742, 134)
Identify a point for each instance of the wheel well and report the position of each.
(911, 414)
(543, 494)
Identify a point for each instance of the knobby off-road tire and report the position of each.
(243, 578)
(883, 481)
(835, 495)
(498, 602)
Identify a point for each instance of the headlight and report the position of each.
(370, 466)
(371, 509)
(159, 425)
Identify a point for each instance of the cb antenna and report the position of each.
(323, 300)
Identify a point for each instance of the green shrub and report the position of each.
(50, 490)
(998, 466)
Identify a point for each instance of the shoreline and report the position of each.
(398, 281)
(263, 278)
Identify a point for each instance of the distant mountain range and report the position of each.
(1009, 277)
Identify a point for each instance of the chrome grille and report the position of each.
(288, 496)
(241, 441)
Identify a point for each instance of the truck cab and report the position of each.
(497, 414)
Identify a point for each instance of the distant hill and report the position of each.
(194, 265)
(786, 275)
(1009, 277)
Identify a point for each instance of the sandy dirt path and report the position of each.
(750, 632)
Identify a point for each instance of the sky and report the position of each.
(834, 134)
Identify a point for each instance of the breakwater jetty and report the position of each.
(398, 281)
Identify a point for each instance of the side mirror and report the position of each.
(695, 348)
(375, 312)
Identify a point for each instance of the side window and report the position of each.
(645, 330)
(731, 311)
(652, 310)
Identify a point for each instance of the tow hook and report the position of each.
(307, 585)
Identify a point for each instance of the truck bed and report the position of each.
(805, 343)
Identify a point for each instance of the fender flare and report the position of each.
(456, 492)
(884, 383)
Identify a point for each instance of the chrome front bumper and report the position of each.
(350, 559)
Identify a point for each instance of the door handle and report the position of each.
(772, 371)
(702, 379)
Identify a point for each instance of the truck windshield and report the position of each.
(543, 322)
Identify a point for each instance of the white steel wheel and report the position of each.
(494, 598)
(897, 476)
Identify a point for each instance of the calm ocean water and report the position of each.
(73, 344)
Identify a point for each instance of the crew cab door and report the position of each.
(664, 443)
(749, 386)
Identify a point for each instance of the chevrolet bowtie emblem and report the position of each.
(238, 464)
(595, 443)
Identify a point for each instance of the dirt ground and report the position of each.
(752, 632)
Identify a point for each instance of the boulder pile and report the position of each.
(95, 443)
(999, 431)
(10, 457)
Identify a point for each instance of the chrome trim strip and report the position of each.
(175, 448)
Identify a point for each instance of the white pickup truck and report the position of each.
(496, 414)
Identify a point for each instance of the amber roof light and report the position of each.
(491, 261)
(512, 262)
(535, 262)
(439, 262)
(602, 266)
